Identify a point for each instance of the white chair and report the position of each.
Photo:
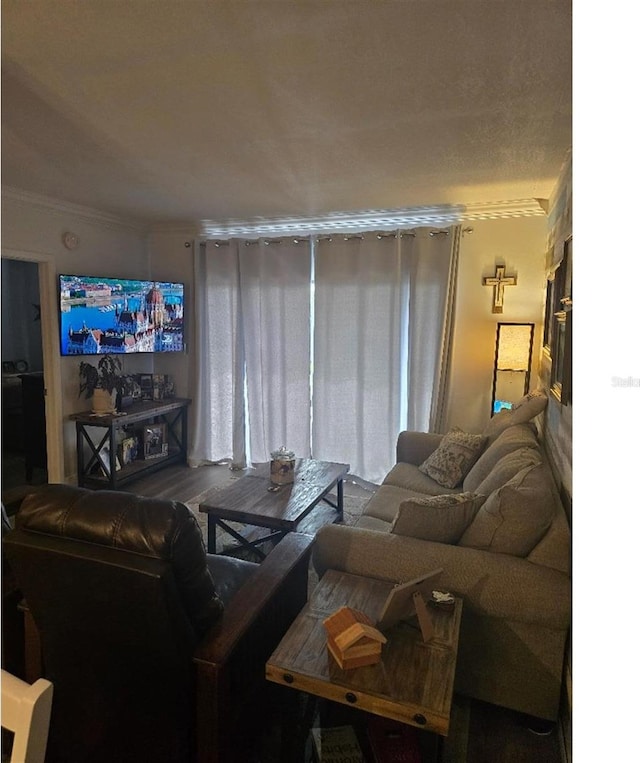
(26, 710)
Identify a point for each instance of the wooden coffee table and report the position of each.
(413, 682)
(249, 501)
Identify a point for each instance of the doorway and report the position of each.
(24, 451)
(29, 334)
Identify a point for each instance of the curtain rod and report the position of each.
(344, 236)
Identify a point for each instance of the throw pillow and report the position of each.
(525, 409)
(512, 439)
(439, 518)
(507, 467)
(454, 457)
(514, 517)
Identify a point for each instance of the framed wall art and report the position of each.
(559, 325)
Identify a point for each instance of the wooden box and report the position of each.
(352, 639)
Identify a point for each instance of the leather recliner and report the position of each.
(156, 649)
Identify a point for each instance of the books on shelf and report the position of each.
(338, 744)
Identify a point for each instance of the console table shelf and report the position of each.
(97, 442)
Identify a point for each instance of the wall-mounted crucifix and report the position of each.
(499, 281)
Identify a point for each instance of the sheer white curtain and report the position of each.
(253, 349)
(440, 390)
(276, 285)
(379, 306)
(433, 278)
(360, 350)
(219, 418)
(379, 316)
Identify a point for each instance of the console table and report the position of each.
(97, 439)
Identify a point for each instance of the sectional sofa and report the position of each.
(485, 509)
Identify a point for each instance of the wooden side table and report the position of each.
(413, 682)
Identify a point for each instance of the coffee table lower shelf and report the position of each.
(260, 541)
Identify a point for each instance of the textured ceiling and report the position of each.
(188, 111)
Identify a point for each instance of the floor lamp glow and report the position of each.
(512, 365)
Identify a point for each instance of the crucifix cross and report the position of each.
(499, 281)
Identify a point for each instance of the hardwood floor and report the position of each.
(497, 734)
(180, 483)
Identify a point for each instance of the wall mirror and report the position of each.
(512, 364)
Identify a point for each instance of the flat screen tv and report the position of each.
(120, 315)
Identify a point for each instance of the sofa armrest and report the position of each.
(416, 447)
(493, 585)
(230, 659)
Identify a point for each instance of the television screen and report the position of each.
(120, 315)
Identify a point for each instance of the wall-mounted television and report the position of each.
(120, 315)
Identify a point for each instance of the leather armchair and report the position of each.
(156, 650)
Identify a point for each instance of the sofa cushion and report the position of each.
(513, 438)
(507, 468)
(385, 502)
(373, 523)
(410, 477)
(454, 457)
(439, 518)
(515, 516)
(525, 409)
(554, 550)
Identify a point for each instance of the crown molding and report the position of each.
(87, 214)
(497, 210)
(373, 219)
(333, 222)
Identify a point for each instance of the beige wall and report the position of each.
(33, 230)
(519, 245)
(170, 257)
(557, 419)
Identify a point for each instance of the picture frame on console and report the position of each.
(104, 461)
(154, 439)
(146, 386)
(128, 450)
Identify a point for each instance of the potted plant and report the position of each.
(100, 383)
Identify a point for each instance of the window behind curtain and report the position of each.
(377, 306)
